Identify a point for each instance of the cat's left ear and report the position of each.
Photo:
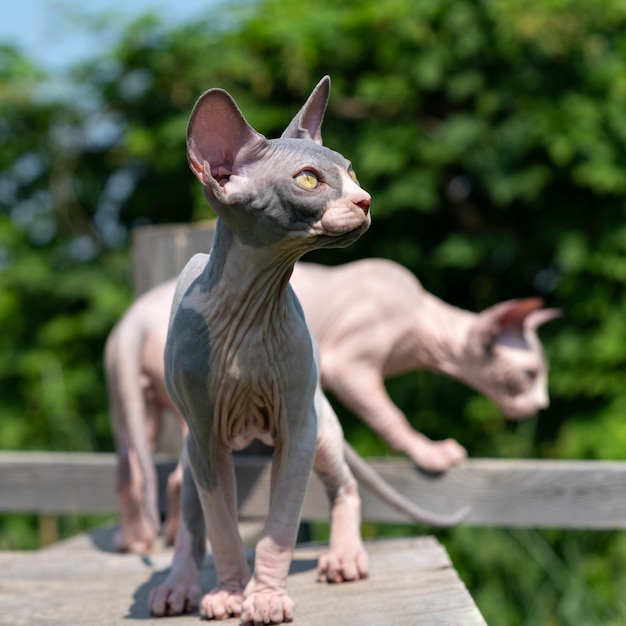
(307, 123)
(221, 145)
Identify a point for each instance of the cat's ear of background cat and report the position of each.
(513, 317)
(307, 123)
(516, 315)
(541, 316)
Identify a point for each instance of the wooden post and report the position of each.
(160, 252)
(48, 529)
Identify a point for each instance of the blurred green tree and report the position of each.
(492, 139)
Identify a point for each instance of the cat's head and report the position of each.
(290, 191)
(504, 358)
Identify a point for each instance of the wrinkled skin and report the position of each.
(239, 357)
(372, 320)
(499, 346)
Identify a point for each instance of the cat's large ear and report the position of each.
(540, 317)
(307, 124)
(510, 317)
(221, 144)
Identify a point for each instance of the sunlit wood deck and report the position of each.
(81, 582)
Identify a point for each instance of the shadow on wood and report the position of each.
(412, 582)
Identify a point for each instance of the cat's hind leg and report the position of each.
(346, 559)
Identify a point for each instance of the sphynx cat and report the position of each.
(240, 361)
(373, 320)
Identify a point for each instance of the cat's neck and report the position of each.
(245, 276)
(440, 337)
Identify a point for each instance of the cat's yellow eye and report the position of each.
(352, 175)
(307, 179)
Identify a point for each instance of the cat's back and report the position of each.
(369, 292)
(366, 279)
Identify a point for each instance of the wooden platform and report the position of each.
(80, 582)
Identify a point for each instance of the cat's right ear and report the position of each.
(307, 124)
(220, 142)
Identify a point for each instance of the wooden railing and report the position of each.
(531, 493)
(563, 494)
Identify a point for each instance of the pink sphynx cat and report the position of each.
(240, 360)
(372, 319)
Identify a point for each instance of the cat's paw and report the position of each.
(267, 607)
(343, 565)
(221, 603)
(437, 456)
(177, 595)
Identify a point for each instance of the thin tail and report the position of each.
(367, 476)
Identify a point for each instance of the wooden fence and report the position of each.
(563, 494)
(506, 493)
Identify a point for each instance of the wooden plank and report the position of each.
(412, 582)
(57, 482)
(531, 493)
(522, 493)
(160, 252)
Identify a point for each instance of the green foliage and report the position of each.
(492, 138)
(569, 577)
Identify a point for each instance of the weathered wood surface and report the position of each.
(160, 252)
(80, 583)
(563, 494)
(520, 493)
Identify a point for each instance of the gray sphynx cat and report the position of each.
(372, 320)
(240, 359)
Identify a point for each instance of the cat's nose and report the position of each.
(364, 205)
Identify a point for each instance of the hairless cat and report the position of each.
(372, 319)
(240, 360)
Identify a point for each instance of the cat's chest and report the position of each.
(243, 358)
(253, 378)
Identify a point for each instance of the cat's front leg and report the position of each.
(266, 598)
(216, 485)
(362, 390)
(180, 591)
(433, 456)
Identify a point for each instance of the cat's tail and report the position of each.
(367, 476)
